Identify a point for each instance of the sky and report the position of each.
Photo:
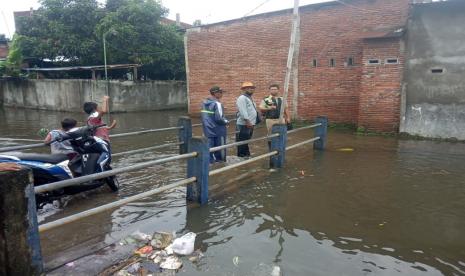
(208, 11)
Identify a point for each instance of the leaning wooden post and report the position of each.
(321, 131)
(279, 144)
(199, 167)
(20, 252)
(185, 133)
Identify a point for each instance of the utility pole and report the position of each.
(295, 72)
(290, 56)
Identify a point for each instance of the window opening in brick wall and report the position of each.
(437, 70)
(332, 62)
(392, 61)
(314, 63)
(350, 61)
(374, 61)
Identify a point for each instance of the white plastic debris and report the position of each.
(172, 262)
(184, 245)
(141, 236)
(236, 261)
(276, 271)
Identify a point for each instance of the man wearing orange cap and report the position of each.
(247, 117)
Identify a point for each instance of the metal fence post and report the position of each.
(185, 133)
(198, 167)
(20, 252)
(278, 143)
(321, 131)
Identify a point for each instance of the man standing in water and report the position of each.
(271, 108)
(214, 123)
(247, 117)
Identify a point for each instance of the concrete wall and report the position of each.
(69, 95)
(435, 102)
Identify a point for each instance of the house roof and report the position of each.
(170, 21)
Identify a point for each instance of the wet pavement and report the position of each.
(387, 207)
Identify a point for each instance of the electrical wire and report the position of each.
(256, 8)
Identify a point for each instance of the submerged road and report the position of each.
(365, 206)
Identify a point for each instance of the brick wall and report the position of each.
(255, 49)
(381, 85)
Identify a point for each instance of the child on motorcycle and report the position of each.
(61, 147)
(101, 135)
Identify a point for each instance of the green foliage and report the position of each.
(71, 32)
(12, 66)
(62, 30)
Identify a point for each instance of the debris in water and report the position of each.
(139, 236)
(70, 264)
(144, 251)
(272, 170)
(236, 260)
(134, 268)
(276, 271)
(161, 240)
(196, 256)
(346, 149)
(172, 262)
(151, 267)
(302, 173)
(185, 244)
(148, 261)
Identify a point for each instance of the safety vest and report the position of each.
(273, 101)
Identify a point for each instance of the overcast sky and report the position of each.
(208, 11)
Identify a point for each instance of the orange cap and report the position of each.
(247, 84)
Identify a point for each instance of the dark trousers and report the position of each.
(244, 133)
(220, 155)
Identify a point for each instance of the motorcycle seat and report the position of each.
(47, 158)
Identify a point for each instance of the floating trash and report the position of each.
(185, 244)
(236, 260)
(161, 240)
(139, 236)
(171, 262)
(196, 256)
(158, 253)
(144, 251)
(345, 149)
(70, 264)
(134, 268)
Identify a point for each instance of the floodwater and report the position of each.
(389, 207)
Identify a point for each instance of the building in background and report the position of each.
(351, 58)
(3, 47)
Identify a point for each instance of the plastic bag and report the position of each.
(185, 244)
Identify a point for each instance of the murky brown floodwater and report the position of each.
(390, 207)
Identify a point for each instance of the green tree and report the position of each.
(64, 30)
(71, 32)
(134, 34)
(12, 66)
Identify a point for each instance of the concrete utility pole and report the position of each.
(290, 56)
(295, 72)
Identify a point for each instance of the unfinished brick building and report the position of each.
(350, 66)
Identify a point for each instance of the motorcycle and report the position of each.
(49, 168)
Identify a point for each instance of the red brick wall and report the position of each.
(255, 49)
(381, 86)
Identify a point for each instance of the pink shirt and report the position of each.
(95, 120)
